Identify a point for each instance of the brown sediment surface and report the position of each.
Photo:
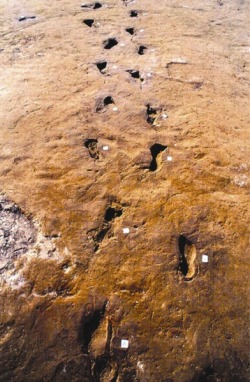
(124, 182)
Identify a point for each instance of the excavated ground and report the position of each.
(124, 178)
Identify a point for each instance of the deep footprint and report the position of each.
(156, 150)
(187, 258)
(104, 103)
(133, 13)
(88, 327)
(142, 49)
(89, 22)
(101, 66)
(91, 145)
(130, 31)
(110, 43)
(151, 114)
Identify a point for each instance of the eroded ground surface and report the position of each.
(124, 179)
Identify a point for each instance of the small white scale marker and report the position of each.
(124, 344)
(164, 116)
(114, 67)
(141, 30)
(115, 108)
(122, 44)
(204, 258)
(126, 230)
(105, 148)
(149, 75)
(169, 159)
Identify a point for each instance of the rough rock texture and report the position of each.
(124, 115)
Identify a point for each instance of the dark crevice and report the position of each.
(133, 13)
(88, 327)
(142, 49)
(91, 145)
(110, 43)
(102, 65)
(151, 114)
(130, 31)
(156, 149)
(89, 22)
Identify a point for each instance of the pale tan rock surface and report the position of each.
(174, 173)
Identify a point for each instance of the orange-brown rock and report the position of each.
(124, 200)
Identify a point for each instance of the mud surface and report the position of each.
(124, 182)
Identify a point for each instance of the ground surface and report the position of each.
(171, 102)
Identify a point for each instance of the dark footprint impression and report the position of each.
(187, 258)
(91, 145)
(89, 22)
(24, 18)
(151, 114)
(135, 74)
(156, 150)
(92, 5)
(134, 13)
(142, 49)
(110, 43)
(130, 31)
(113, 211)
(102, 66)
(102, 104)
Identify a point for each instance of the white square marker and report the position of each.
(114, 67)
(105, 148)
(149, 75)
(122, 44)
(169, 159)
(141, 30)
(164, 116)
(204, 258)
(126, 230)
(124, 344)
(115, 108)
